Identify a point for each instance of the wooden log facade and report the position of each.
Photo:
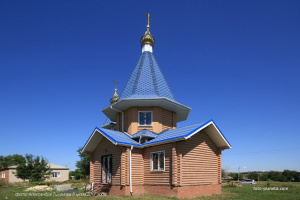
(190, 163)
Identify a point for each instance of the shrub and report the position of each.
(2, 183)
(230, 184)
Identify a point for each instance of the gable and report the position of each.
(187, 132)
(183, 133)
(214, 133)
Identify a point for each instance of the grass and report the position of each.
(245, 192)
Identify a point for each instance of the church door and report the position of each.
(106, 169)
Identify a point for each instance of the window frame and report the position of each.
(158, 164)
(57, 174)
(110, 169)
(145, 111)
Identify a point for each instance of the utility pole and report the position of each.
(239, 174)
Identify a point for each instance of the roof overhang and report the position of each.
(210, 129)
(214, 133)
(97, 136)
(181, 110)
(92, 142)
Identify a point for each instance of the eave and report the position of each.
(181, 110)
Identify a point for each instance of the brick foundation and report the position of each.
(179, 192)
(199, 190)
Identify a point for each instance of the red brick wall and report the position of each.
(199, 190)
(6, 171)
(179, 192)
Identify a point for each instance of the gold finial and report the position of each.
(148, 22)
(115, 98)
(147, 38)
(115, 81)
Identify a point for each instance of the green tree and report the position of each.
(35, 168)
(237, 176)
(76, 174)
(223, 173)
(253, 175)
(291, 175)
(83, 164)
(11, 160)
(276, 176)
(263, 177)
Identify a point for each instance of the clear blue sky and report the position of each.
(236, 62)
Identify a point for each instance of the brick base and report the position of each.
(179, 192)
(199, 190)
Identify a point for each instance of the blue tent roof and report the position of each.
(147, 80)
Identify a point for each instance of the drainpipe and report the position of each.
(130, 173)
(122, 117)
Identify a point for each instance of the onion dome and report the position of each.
(147, 39)
(115, 98)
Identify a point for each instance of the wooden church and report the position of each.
(141, 151)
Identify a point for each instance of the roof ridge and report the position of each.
(138, 75)
(173, 97)
(156, 91)
(125, 133)
(204, 121)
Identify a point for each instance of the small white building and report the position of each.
(58, 173)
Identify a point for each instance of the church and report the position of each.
(141, 151)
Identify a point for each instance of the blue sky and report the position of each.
(236, 62)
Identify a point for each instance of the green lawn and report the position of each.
(263, 191)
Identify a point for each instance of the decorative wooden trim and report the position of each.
(128, 166)
(173, 159)
(180, 163)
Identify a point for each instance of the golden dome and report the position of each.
(115, 98)
(147, 38)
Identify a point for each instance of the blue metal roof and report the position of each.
(107, 121)
(165, 136)
(117, 137)
(147, 80)
(144, 132)
(123, 138)
(177, 133)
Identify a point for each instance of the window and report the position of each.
(3, 175)
(145, 118)
(106, 168)
(55, 174)
(158, 161)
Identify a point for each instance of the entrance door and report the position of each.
(106, 169)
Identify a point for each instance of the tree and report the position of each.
(75, 173)
(236, 176)
(291, 175)
(83, 164)
(10, 160)
(253, 175)
(263, 177)
(223, 173)
(277, 176)
(35, 168)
